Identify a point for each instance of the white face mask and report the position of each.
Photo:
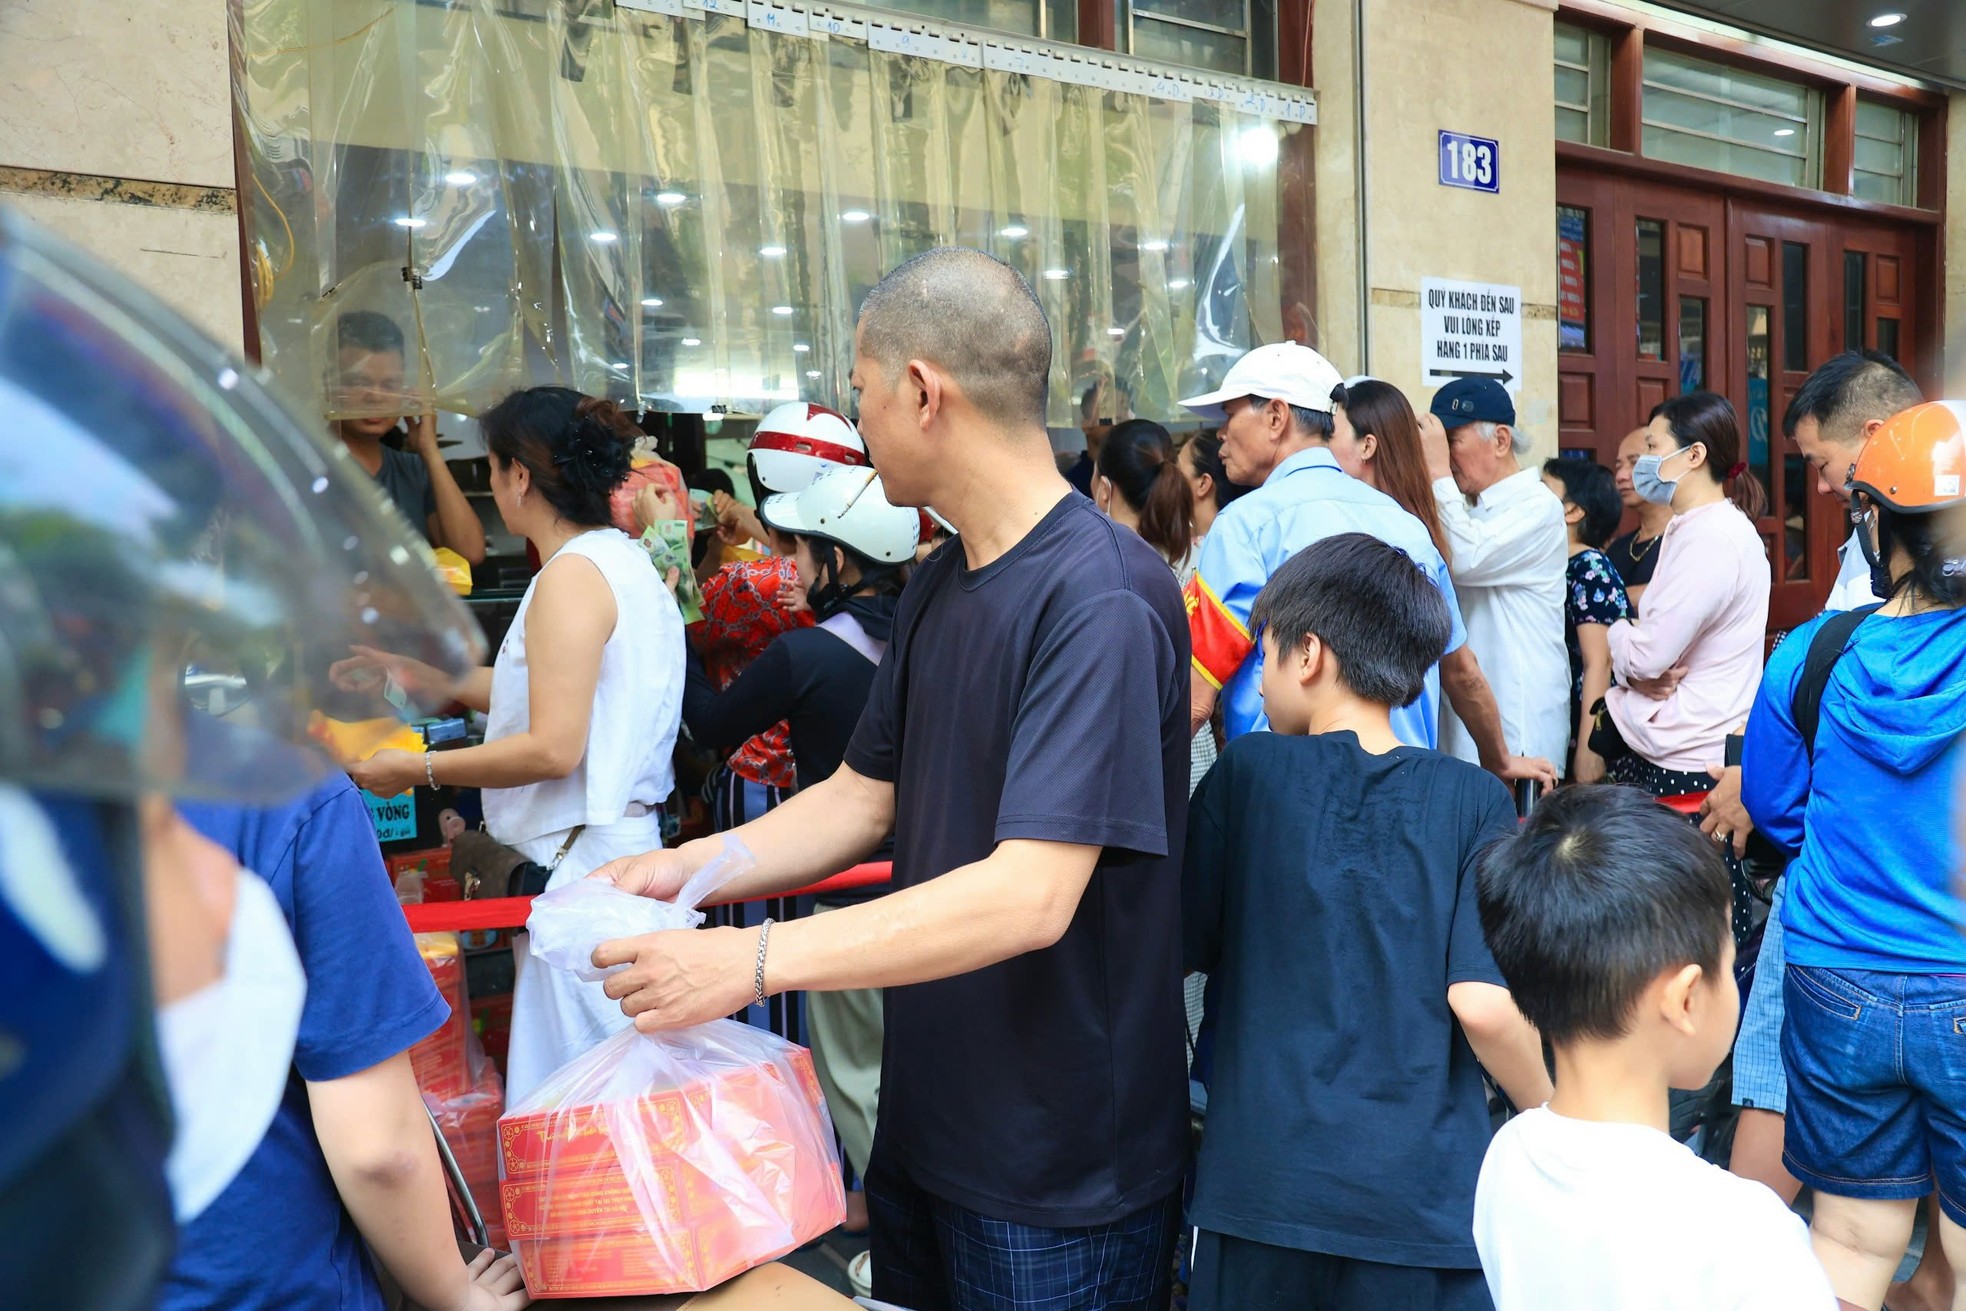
(227, 1048)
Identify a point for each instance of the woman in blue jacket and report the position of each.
(1875, 1040)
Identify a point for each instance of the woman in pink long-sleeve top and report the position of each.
(1687, 669)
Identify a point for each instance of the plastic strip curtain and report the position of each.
(684, 213)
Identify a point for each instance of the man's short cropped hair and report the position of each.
(1374, 609)
(1314, 425)
(1599, 892)
(1848, 391)
(971, 315)
(369, 332)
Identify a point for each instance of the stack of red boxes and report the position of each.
(459, 1085)
(675, 1190)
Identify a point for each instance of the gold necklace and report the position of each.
(1650, 546)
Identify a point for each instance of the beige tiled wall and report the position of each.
(104, 102)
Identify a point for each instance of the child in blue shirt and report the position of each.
(351, 1155)
(1328, 892)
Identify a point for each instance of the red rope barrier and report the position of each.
(511, 912)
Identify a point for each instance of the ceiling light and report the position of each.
(772, 252)
(1258, 146)
(782, 311)
(652, 302)
(622, 367)
(800, 348)
(1784, 131)
(812, 373)
(1056, 275)
(855, 216)
(1887, 20)
(603, 237)
(670, 198)
(1153, 245)
(1116, 332)
(461, 178)
(1179, 284)
(407, 222)
(1014, 231)
(692, 341)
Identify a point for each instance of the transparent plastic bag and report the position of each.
(568, 922)
(663, 1163)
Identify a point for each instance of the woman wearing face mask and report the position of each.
(1138, 483)
(585, 697)
(1376, 439)
(1876, 964)
(1688, 666)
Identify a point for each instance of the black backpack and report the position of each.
(1825, 649)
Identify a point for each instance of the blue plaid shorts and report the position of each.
(1759, 1080)
(932, 1255)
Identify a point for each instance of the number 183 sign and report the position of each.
(1472, 163)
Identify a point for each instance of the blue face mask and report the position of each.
(1647, 482)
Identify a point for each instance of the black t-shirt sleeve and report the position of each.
(871, 751)
(1086, 762)
(1468, 958)
(1203, 887)
(759, 697)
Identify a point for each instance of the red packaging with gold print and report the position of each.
(441, 1061)
(668, 1164)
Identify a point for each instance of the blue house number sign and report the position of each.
(1471, 163)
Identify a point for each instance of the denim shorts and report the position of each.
(1877, 1084)
(1759, 1081)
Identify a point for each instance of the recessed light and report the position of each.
(1784, 131)
(1014, 231)
(618, 365)
(1153, 245)
(812, 373)
(1258, 146)
(407, 222)
(692, 341)
(1116, 332)
(772, 252)
(670, 198)
(1887, 20)
(652, 302)
(461, 178)
(855, 216)
(800, 348)
(1056, 275)
(782, 311)
(603, 237)
(1179, 284)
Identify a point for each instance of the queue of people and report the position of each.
(1378, 621)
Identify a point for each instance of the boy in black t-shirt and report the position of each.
(1329, 893)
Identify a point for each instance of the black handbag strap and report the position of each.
(1825, 649)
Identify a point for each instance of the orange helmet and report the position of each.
(1916, 462)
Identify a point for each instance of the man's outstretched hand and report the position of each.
(681, 977)
(659, 874)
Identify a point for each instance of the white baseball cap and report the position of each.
(1287, 372)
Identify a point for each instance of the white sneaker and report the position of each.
(860, 1273)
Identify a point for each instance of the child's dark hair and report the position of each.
(369, 332)
(1593, 489)
(1207, 458)
(1599, 892)
(1138, 459)
(575, 446)
(1377, 612)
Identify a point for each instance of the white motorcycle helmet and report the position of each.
(849, 508)
(796, 441)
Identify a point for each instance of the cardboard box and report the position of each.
(635, 1196)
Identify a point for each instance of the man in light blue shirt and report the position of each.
(1275, 414)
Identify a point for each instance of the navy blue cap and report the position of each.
(1472, 400)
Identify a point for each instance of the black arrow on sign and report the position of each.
(1504, 377)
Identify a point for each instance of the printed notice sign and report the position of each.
(394, 817)
(1470, 330)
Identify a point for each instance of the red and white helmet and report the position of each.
(848, 506)
(796, 441)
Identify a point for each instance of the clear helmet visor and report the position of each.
(176, 544)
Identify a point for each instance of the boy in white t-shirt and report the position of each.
(1609, 918)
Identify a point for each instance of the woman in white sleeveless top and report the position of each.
(584, 699)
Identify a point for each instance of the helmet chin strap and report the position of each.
(1877, 556)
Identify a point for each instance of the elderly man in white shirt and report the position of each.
(1509, 551)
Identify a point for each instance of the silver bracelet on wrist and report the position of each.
(429, 769)
(758, 980)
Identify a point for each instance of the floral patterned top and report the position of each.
(1593, 594)
(741, 616)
